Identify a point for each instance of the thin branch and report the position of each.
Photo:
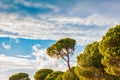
(62, 56)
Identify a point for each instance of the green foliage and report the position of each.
(19, 76)
(56, 50)
(99, 60)
(59, 77)
(110, 49)
(89, 63)
(61, 49)
(110, 77)
(70, 75)
(53, 75)
(41, 74)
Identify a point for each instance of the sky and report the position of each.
(29, 27)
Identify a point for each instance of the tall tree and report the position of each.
(62, 49)
(110, 48)
(89, 65)
(41, 74)
(19, 76)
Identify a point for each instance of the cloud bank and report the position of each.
(21, 63)
(47, 27)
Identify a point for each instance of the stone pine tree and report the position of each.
(68, 75)
(53, 75)
(42, 73)
(59, 77)
(19, 76)
(89, 65)
(62, 49)
(110, 48)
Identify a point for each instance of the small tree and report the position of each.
(41, 74)
(61, 49)
(19, 76)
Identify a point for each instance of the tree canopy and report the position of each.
(53, 75)
(110, 48)
(59, 77)
(89, 63)
(19, 76)
(61, 49)
(41, 74)
(70, 75)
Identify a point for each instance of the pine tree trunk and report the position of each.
(68, 62)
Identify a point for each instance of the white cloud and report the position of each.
(19, 64)
(2, 76)
(6, 46)
(17, 40)
(84, 30)
(46, 61)
(11, 62)
(24, 56)
(36, 47)
(94, 19)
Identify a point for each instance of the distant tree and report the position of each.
(19, 76)
(70, 75)
(89, 65)
(41, 74)
(62, 49)
(53, 75)
(110, 48)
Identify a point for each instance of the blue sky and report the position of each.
(28, 27)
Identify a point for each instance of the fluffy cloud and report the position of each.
(2, 76)
(84, 30)
(6, 46)
(11, 62)
(10, 65)
(43, 59)
(22, 56)
(19, 64)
